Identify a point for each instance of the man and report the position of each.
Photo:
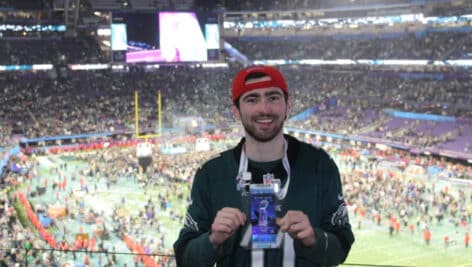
(313, 217)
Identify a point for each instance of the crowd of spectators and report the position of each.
(379, 186)
(101, 102)
(19, 245)
(143, 215)
(36, 105)
(56, 51)
(350, 101)
(399, 197)
(431, 45)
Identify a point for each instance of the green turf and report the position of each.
(374, 246)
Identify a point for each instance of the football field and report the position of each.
(373, 246)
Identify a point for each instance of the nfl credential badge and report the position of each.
(268, 178)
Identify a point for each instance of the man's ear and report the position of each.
(235, 111)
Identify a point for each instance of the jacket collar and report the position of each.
(292, 151)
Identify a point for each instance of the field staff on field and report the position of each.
(314, 217)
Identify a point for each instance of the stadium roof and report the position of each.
(259, 5)
(229, 5)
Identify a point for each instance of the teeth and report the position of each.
(265, 121)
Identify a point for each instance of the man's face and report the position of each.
(262, 113)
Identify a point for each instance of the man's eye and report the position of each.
(251, 100)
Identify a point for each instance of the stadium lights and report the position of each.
(459, 62)
(342, 62)
(378, 62)
(153, 66)
(314, 62)
(214, 65)
(15, 67)
(331, 62)
(43, 67)
(88, 66)
(275, 62)
(404, 62)
(104, 32)
(347, 62)
(117, 67)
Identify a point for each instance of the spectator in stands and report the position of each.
(318, 231)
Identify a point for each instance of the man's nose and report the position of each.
(265, 105)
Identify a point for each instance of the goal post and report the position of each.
(136, 117)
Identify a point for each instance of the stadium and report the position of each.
(109, 107)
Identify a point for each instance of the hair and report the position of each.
(255, 75)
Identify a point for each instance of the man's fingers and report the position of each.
(221, 228)
(294, 213)
(297, 225)
(306, 233)
(295, 228)
(293, 222)
(290, 218)
(284, 223)
(233, 214)
(226, 222)
(231, 221)
(231, 218)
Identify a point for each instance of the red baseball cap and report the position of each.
(273, 79)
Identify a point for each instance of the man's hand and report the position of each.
(226, 222)
(298, 226)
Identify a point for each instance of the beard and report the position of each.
(266, 134)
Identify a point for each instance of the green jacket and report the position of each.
(315, 189)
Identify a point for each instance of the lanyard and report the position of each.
(243, 165)
(257, 256)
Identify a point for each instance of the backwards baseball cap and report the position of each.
(272, 78)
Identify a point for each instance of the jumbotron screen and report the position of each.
(165, 37)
